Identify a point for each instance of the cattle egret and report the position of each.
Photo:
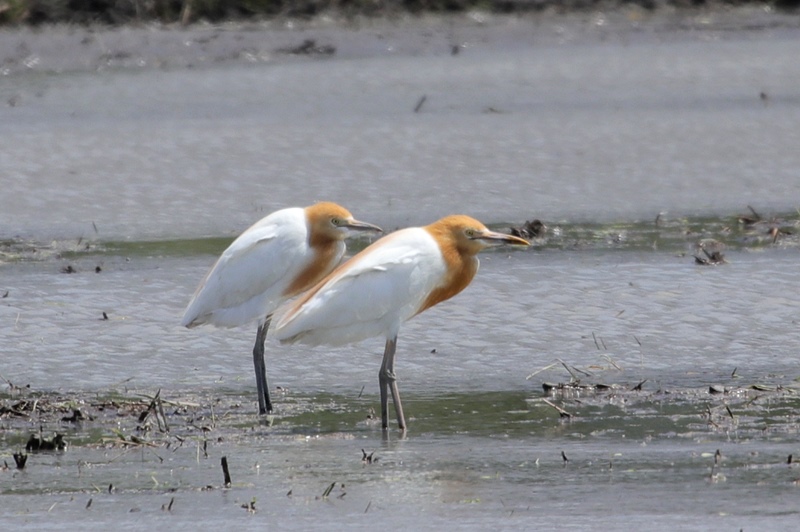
(389, 282)
(279, 257)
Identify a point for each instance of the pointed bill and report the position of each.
(492, 238)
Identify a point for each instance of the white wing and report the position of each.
(370, 295)
(249, 277)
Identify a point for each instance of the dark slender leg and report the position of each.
(264, 403)
(388, 383)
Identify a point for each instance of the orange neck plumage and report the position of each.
(460, 261)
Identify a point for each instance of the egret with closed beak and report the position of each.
(389, 282)
(277, 258)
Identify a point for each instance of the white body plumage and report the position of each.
(278, 257)
(371, 295)
(251, 277)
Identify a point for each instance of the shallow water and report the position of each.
(126, 170)
(594, 131)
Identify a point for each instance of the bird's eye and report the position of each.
(470, 233)
(336, 221)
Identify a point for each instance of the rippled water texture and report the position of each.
(632, 144)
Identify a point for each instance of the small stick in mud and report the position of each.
(20, 459)
(162, 417)
(168, 507)
(420, 103)
(564, 457)
(156, 407)
(225, 472)
(328, 490)
(756, 215)
(251, 506)
(638, 387)
(367, 458)
(89, 504)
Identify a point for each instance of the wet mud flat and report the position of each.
(583, 443)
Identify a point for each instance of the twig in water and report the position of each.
(564, 457)
(361, 392)
(561, 411)
(597, 343)
(607, 357)
(529, 377)
(367, 458)
(367, 508)
(225, 472)
(20, 459)
(571, 372)
(729, 412)
(420, 103)
(638, 387)
(89, 504)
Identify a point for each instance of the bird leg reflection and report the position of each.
(388, 382)
(264, 402)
